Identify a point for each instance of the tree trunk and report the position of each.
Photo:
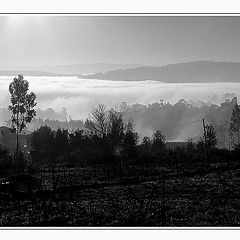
(17, 130)
(17, 150)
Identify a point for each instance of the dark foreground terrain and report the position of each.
(101, 197)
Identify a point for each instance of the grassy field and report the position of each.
(82, 197)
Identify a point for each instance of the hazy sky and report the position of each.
(51, 40)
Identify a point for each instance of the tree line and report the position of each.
(108, 135)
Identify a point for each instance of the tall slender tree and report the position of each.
(22, 106)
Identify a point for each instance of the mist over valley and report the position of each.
(71, 98)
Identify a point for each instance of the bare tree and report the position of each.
(109, 126)
(97, 123)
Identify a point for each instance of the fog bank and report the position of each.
(78, 96)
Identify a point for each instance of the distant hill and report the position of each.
(27, 73)
(195, 72)
(76, 69)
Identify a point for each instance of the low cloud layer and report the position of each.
(80, 95)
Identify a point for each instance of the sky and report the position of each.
(27, 40)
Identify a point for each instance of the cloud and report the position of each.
(80, 95)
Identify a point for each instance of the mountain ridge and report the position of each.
(190, 72)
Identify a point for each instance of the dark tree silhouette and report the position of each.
(130, 142)
(115, 132)
(158, 143)
(211, 138)
(146, 146)
(43, 144)
(234, 130)
(208, 142)
(61, 141)
(22, 105)
(5, 161)
(77, 139)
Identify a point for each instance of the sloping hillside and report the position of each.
(196, 72)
